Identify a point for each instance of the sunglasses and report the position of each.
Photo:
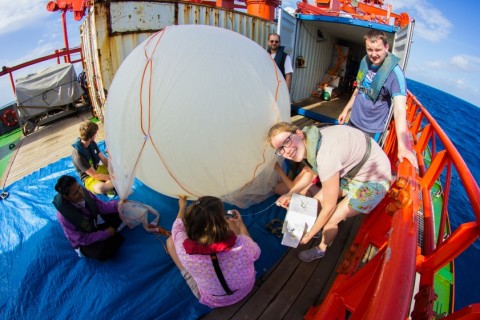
(274, 41)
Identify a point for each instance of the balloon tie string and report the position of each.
(258, 212)
(148, 66)
(146, 133)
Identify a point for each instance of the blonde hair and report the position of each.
(278, 128)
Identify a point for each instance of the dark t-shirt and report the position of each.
(81, 164)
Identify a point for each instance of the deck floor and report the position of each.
(285, 292)
(47, 144)
(292, 287)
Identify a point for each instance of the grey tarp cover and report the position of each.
(50, 87)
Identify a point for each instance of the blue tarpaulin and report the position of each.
(42, 276)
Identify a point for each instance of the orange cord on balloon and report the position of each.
(149, 66)
(275, 109)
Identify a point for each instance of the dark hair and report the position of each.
(205, 221)
(374, 35)
(274, 34)
(64, 183)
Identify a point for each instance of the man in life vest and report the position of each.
(282, 59)
(90, 224)
(380, 84)
(86, 157)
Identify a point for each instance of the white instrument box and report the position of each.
(301, 215)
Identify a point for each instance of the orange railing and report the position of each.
(382, 285)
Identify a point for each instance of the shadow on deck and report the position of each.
(292, 286)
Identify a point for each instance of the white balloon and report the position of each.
(188, 113)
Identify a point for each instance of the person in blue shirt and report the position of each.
(381, 85)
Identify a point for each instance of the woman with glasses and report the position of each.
(348, 165)
(214, 251)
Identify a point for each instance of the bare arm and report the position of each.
(343, 116)
(288, 80)
(400, 117)
(104, 159)
(97, 176)
(237, 225)
(304, 181)
(328, 201)
(182, 205)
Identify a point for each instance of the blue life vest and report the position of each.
(90, 153)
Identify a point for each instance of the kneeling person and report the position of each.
(349, 165)
(214, 253)
(88, 223)
(86, 157)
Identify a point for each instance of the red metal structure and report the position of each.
(78, 7)
(368, 10)
(382, 287)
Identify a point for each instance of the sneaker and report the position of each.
(311, 254)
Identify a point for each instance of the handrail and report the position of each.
(438, 252)
(57, 55)
(383, 287)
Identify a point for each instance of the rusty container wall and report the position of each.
(112, 29)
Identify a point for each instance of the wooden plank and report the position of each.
(46, 145)
(272, 289)
(325, 272)
(267, 286)
(292, 286)
(298, 279)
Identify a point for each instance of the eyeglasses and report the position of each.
(274, 41)
(286, 144)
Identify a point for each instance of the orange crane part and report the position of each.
(78, 7)
(374, 11)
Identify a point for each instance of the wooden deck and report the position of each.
(292, 286)
(285, 292)
(47, 144)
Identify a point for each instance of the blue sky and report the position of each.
(445, 52)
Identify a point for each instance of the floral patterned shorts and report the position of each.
(364, 196)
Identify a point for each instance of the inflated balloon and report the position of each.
(188, 113)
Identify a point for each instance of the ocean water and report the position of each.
(460, 121)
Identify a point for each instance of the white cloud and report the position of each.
(15, 15)
(466, 62)
(459, 83)
(290, 3)
(430, 24)
(437, 64)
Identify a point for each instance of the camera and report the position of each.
(230, 214)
